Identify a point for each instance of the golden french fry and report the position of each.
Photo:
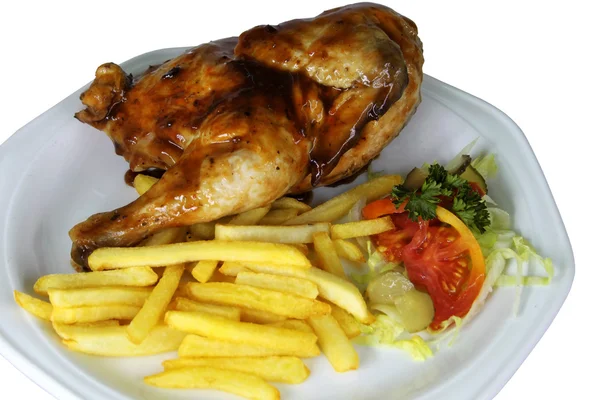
(113, 341)
(302, 247)
(39, 308)
(259, 316)
(166, 236)
(231, 269)
(183, 304)
(218, 276)
(250, 217)
(99, 296)
(297, 324)
(198, 346)
(298, 286)
(366, 227)
(156, 304)
(348, 250)
(328, 258)
(68, 331)
(138, 276)
(334, 343)
(273, 234)
(177, 253)
(93, 313)
(280, 303)
(331, 287)
(203, 270)
(142, 183)
(283, 369)
(289, 202)
(212, 326)
(181, 290)
(203, 230)
(97, 324)
(339, 206)
(347, 322)
(236, 382)
(278, 217)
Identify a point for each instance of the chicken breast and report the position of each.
(239, 122)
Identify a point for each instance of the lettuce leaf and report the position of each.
(486, 165)
(385, 332)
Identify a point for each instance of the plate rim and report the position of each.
(61, 389)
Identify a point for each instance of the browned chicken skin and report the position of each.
(238, 123)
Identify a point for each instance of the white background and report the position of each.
(536, 61)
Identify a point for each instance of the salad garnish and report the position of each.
(464, 198)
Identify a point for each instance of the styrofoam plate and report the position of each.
(55, 172)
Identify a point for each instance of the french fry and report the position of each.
(280, 303)
(177, 253)
(287, 341)
(278, 217)
(331, 287)
(203, 230)
(302, 247)
(366, 227)
(231, 269)
(114, 342)
(297, 324)
(166, 236)
(203, 270)
(183, 304)
(198, 346)
(138, 276)
(218, 276)
(39, 308)
(290, 202)
(339, 206)
(328, 258)
(93, 313)
(156, 304)
(298, 286)
(283, 369)
(236, 382)
(250, 217)
(347, 322)
(142, 183)
(99, 296)
(259, 316)
(97, 324)
(273, 234)
(68, 331)
(334, 343)
(348, 250)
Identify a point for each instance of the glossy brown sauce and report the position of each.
(173, 107)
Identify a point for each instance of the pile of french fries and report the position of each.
(243, 300)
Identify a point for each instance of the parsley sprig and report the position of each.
(467, 204)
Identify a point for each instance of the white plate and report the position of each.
(56, 172)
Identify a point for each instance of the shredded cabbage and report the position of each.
(385, 332)
(486, 165)
(418, 348)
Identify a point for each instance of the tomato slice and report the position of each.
(444, 260)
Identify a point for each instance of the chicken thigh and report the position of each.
(238, 123)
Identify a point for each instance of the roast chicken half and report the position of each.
(240, 122)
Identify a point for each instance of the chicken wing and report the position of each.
(238, 123)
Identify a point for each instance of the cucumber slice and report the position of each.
(471, 175)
